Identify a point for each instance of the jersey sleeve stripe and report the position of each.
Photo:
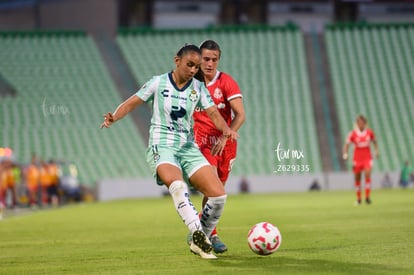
(234, 96)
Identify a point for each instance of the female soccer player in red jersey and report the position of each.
(217, 149)
(361, 137)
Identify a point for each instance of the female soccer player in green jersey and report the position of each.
(172, 153)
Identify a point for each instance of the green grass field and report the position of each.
(323, 233)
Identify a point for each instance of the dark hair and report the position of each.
(210, 45)
(187, 48)
(362, 117)
(199, 76)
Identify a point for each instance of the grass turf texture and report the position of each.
(322, 233)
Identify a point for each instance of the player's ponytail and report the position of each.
(199, 76)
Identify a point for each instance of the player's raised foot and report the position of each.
(218, 245)
(368, 201)
(201, 245)
(357, 203)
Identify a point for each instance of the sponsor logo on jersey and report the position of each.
(193, 96)
(177, 112)
(217, 93)
(178, 129)
(166, 93)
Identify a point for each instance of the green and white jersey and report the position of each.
(172, 117)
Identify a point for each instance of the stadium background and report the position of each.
(306, 69)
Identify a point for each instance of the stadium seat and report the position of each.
(63, 88)
(371, 67)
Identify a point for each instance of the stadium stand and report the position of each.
(269, 65)
(62, 90)
(372, 69)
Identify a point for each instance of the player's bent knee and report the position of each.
(214, 189)
(169, 173)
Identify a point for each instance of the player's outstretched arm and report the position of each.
(220, 123)
(122, 110)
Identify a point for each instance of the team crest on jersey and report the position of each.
(193, 96)
(217, 93)
(156, 157)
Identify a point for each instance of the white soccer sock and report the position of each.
(211, 213)
(185, 208)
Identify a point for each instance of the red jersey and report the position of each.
(362, 141)
(222, 88)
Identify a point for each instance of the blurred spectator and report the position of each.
(20, 188)
(32, 178)
(315, 186)
(244, 185)
(45, 182)
(7, 183)
(386, 181)
(17, 173)
(52, 189)
(405, 174)
(2, 199)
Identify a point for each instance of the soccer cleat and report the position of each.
(201, 245)
(218, 245)
(357, 203)
(368, 201)
(204, 255)
(189, 238)
(200, 239)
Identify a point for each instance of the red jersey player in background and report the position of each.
(217, 149)
(361, 137)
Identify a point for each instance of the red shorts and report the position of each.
(362, 165)
(224, 162)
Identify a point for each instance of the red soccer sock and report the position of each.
(367, 188)
(358, 190)
(214, 232)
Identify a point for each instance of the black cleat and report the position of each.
(368, 201)
(200, 239)
(201, 245)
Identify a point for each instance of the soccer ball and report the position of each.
(264, 238)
